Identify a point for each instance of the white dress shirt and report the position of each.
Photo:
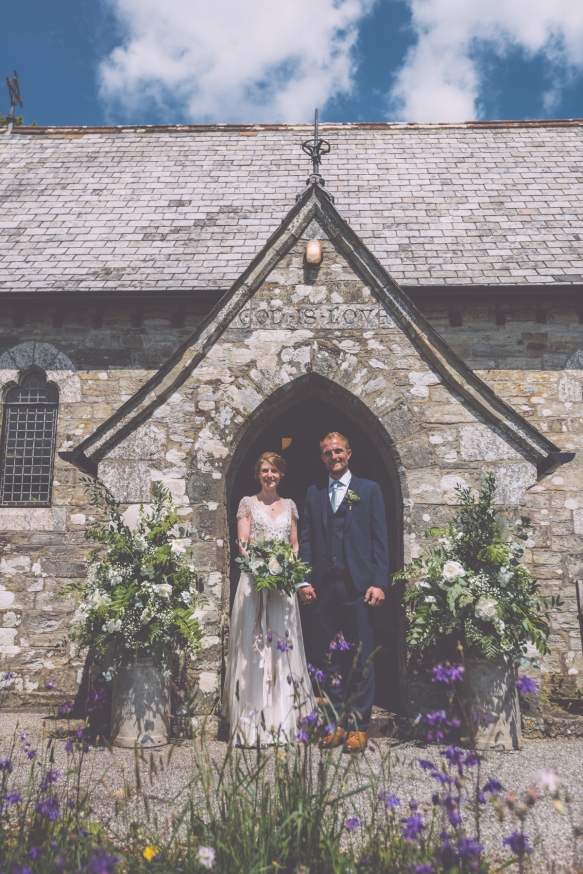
(343, 482)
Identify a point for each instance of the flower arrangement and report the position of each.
(474, 589)
(273, 565)
(351, 498)
(140, 595)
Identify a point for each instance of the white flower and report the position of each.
(186, 597)
(486, 609)
(452, 570)
(206, 857)
(274, 566)
(99, 599)
(141, 542)
(504, 576)
(112, 625)
(422, 584)
(255, 564)
(430, 599)
(114, 576)
(164, 589)
(177, 546)
(548, 779)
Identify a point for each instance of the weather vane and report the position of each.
(315, 148)
(15, 99)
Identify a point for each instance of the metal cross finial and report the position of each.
(315, 148)
(15, 99)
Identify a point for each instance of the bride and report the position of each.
(267, 687)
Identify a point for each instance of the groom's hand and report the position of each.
(374, 596)
(307, 594)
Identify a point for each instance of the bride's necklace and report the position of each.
(273, 506)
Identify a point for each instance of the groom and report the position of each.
(344, 539)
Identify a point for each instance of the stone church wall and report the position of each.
(296, 328)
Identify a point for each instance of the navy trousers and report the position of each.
(341, 608)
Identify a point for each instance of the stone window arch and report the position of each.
(27, 453)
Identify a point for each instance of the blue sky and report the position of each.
(95, 62)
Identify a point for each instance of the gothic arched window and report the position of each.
(28, 442)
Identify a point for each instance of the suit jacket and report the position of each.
(366, 553)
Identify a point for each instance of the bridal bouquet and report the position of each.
(273, 565)
(474, 588)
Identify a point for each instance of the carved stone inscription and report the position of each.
(315, 316)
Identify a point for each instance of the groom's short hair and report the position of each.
(335, 435)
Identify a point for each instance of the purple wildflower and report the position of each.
(13, 798)
(311, 718)
(35, 853)
(22, 736)
(493, 786)
(50, 777)
(339, 643)
(442, 778)
(50, 685)
(316, 674)
(413, 804)
(525, 685)
(6, 765)
(518, 843)
(21, 869)
(453, 755)
(48, 807)
(69, 746)
(283, 645)
(447, 673)
(31, 754)
(412, 827)
(302, 735)
(103, 863)
(352, 823)
(94, 699)
(469, 848)
(423, 868)
(472, 759)
(426, 765)
(330, 728)
(336, 681)
(391, 802)
(454, 817)
(8, 675)
(65, 708)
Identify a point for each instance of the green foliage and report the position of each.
(140, 595)
(273, 565)
(18, 121)
(473, 588)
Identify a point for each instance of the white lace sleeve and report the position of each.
(244, 508)
(294, 510)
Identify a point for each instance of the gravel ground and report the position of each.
(550, 831)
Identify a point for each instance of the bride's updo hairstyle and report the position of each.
(274, 459)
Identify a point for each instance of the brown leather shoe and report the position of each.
(335, 739)
(355, 742)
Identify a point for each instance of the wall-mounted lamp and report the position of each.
(314, 253)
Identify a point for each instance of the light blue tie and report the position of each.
(334, 498)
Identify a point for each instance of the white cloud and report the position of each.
(440, 79)
(231, 60)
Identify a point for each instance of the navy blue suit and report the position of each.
(348, 553)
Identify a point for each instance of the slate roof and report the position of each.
(188, 207)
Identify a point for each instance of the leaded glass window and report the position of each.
(28, 442)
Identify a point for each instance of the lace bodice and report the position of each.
(263, 527)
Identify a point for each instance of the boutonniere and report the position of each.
(351, 498)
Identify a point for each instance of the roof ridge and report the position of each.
(360, 125)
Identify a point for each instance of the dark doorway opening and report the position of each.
(295, 434)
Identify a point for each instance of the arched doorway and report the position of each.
(295, 433)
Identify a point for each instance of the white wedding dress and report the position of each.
(267, 687)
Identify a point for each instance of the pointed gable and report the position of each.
(283, 314)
